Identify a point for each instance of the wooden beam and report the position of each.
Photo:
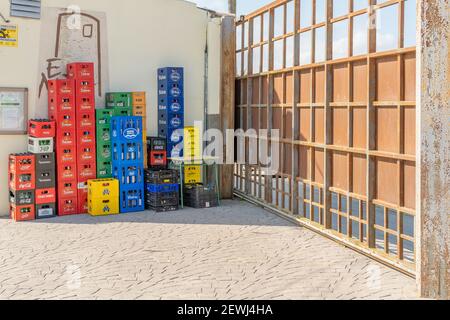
(227, 105)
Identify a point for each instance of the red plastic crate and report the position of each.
(83, 199)
(66, 155)
(86, 136)
(45, 196)
(61, 87)
(67, 189)
(67, 172)
(22, 163)
(86, 153)
(86, 171)
(65, 120)
(85, 87)
(41, 128)
(85, 103)
(60, 104)
(85, 120)
(68, 206)
(157, 158)
(80, 70)
(66, 137)
(22, 213)
(22, 181)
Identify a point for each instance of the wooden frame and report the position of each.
(345, 123)
(24, 92)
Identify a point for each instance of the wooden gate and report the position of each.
(337, 79)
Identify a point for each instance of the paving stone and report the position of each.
(236, 251)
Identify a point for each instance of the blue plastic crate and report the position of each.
(127, 152)
(171, 105)
(175, 150)
(132, 199)
(172, 90)
(170, 121)
(171, 75)
(131, 174)
(162, 188)
(126, 128)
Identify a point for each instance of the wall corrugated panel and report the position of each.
(26, 8)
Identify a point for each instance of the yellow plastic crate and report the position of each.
(103, 206)
(103, 188)
(192, 174)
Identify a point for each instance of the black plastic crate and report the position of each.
(164, 209)
(161, 176)
(162, 199)
(200, 196)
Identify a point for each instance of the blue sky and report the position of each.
(243, 6)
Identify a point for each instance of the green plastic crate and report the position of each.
(103, 133)
(117, 112)
(119, 100)
(103, 151)
(103, 117)
(104, 169)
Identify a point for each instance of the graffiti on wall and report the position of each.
(69, 35)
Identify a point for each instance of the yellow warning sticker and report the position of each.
(9, 35)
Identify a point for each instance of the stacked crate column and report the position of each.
(171, 109)
(139, 102)
(61, 109)
(103, 197)
(83, 75)
(103, 127)
(128, 162)
(22, 184)
(192, 152)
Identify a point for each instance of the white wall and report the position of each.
(157, 32)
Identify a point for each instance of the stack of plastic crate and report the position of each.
(83, 75)
(103, 127)
(62, 110)
(162, 190)
(171, 109)
(41, 133)
(22, 183)
(128, 161)
(139, 104)
(103, 197)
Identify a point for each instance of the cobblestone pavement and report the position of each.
(238, 251)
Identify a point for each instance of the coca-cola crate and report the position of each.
(21, 198)
(45, 210)
(86, 171)
(22, 162)
(80, 70)
(67, 206)
(67, 189)
(85, 119)
(22, 213)
(85, 103)
(161, 177)
(22, 181)
(45, 196)
(40, 128)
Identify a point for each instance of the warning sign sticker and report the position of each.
(9, 36)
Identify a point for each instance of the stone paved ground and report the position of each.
(237, 251)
